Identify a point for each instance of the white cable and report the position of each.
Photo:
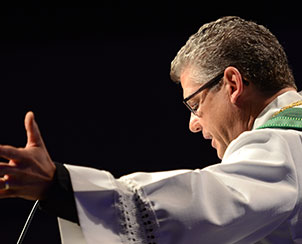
(27, 223)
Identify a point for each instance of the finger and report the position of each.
(2, 184)
(33, 133)
(6, 189)
(11, 153)
(7, 169)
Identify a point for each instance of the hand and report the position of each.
(30, 170)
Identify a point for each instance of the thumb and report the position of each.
(33, 133)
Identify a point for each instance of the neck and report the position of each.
(263, 100)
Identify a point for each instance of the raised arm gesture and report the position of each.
(30, 170)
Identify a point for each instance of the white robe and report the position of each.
(253, 196)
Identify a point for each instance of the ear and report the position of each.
(234, 83)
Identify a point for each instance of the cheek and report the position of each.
(216, 125)
(216, 117)
(212, 119)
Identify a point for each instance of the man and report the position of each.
(242, 96)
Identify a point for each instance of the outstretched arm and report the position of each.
(30, 170)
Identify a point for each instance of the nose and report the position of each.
(195, 125)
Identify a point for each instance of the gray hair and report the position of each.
(233, 41)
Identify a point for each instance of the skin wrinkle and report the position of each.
(225, 113)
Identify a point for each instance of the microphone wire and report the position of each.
(28, 222)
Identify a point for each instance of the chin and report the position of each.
(219, 155)
(220, 152)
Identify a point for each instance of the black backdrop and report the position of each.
(98, 82)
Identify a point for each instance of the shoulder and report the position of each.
(272, 143)
(269, 155)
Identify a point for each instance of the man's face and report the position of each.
(213, 115)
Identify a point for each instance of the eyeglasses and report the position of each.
(194, 106)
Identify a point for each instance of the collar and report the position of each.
(278, 103)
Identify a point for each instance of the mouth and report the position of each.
(208, 136)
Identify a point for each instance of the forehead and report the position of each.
(188, 83)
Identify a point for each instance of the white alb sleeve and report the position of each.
(241, 200)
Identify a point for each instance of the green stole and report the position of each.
(290, 118)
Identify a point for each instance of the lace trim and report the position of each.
(138, 222)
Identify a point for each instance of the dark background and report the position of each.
(98, 81)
